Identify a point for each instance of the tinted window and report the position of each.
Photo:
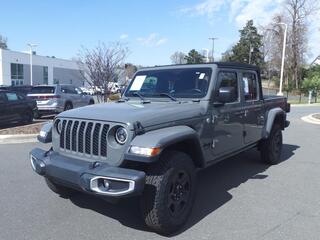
(250, 86)
(229, 79)
(12, 96)
(41, 89)
(187, 82)
(68, 90)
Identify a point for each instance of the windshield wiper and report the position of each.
(141, 97)
(169, 96)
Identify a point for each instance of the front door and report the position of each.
(253, 107)
(227, 119)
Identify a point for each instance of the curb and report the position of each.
(311, 119)
(18, 138)
(306, 105)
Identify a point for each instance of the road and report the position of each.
(239, 198)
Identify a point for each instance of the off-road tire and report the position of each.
(270, 148)
(59, 189)
(162, 190)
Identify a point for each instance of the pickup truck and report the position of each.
(170, 122)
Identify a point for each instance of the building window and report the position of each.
(55, 81)
(16, 74)
(45, 75)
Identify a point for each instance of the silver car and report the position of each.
(58, 98)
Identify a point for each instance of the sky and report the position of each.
(152, 29)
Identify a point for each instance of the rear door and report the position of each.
(16, 107)
(253, 106)
(227, 119)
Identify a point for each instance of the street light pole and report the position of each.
(31, 46)
(280, 93)
(213, 39)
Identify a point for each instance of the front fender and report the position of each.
(163, 138)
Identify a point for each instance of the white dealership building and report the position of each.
(15, 70)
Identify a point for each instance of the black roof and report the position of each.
(219, 64)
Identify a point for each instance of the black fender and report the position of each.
(182, 137)
(272, 114)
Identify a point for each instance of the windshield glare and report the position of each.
(184, 83)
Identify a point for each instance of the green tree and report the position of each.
(247, 50)
(3, 42)
(194, 57)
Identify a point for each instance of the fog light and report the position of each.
(145, 151)
(106, 184)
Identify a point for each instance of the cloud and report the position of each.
(239, 11)
(206, 8)
(152, 40)
(124, 36)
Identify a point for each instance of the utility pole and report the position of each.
(212, 52)
(283, 57)
(31, 46)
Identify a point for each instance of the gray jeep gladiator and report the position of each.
(170, 121)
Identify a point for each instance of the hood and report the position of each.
(147, 114)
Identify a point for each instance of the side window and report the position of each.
(12, 97)
(229, 80)
(250, 86)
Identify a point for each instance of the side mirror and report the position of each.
(226, 95)
(45, 135)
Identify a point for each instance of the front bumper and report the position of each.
(96, 178)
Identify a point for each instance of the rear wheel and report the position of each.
(59, 189)
(91, 102)
(270, 148)
(169, 192)
(68, 106)
(27, 118)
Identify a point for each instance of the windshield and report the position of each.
(184, 83)
(36, 90)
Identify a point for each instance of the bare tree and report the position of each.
(178, 58)
(100, 65)
(298, 12)
(3, 42)
(130, 70)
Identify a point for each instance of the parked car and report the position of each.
(53, 99)
(16, 107)
(171, 121)
(23, 89)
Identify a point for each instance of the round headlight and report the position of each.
(58, 126)
(121, 135)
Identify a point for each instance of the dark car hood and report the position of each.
(147, 114)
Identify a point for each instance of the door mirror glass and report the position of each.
(227, 94)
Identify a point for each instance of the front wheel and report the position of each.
(270, 148)
(169, 192)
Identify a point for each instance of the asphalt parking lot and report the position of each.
(239, 198)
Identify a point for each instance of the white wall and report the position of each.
(7, 57)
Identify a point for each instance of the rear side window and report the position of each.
(39, 90)
(250, 86)
(229, 79)
(12, 97)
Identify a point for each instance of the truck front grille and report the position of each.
(84, 137)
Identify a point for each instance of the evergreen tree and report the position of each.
(247, 50)
(194, 57)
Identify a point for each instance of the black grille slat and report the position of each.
(68, 135)
(103, 142)
(96, 139)
(64, 122)
(88, 138)
(74, 135)
(80, 137)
